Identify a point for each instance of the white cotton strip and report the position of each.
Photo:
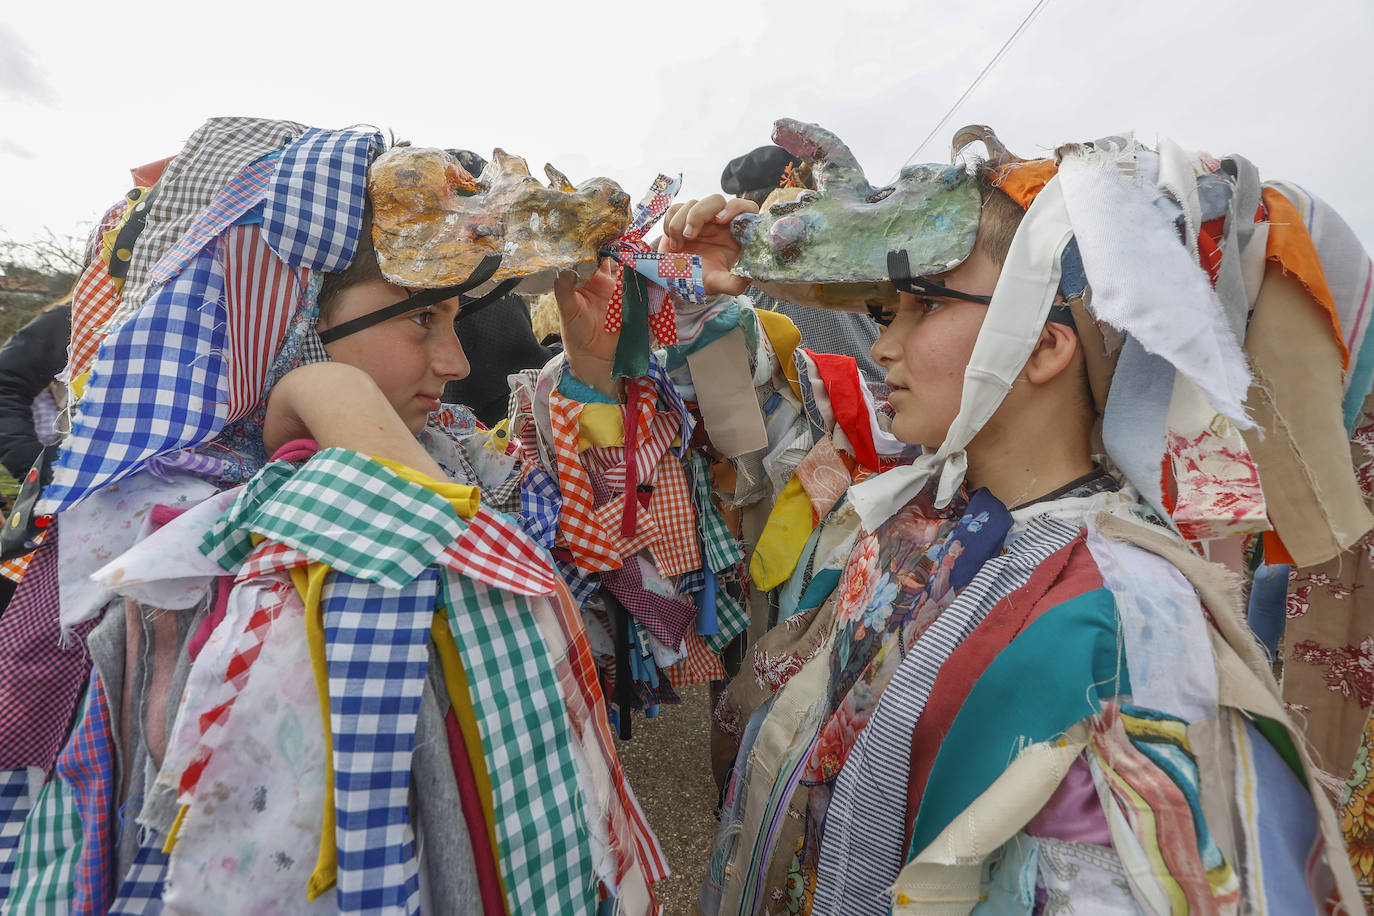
(1146, 284)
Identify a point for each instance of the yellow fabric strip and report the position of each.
(309, 581)
(175, 832)
(601, 425)
(465, 500)
(783, 538)
(785, 338)
(456, 683)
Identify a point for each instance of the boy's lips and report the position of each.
(430, 401)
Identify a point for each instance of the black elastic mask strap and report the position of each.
(417, 300)
(899, 269)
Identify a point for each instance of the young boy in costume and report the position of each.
(348, 685)
(1003, 683)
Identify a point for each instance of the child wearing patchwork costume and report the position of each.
(347, 684)
(1006, 679)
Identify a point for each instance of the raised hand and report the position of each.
(702, 228)
(589, 346)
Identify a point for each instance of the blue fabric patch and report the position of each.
(1133, 424)
(1268, 611)
(314, 211)
(157, 385)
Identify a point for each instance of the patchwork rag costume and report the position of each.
(1059, 707)
(318, 683)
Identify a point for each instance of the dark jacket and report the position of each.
(28, 362)
(498, 341)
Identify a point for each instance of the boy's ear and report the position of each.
(1053, 353)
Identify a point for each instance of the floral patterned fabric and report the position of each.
(1357, 814)
(1328, 673)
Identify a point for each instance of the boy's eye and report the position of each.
(423, 318)
(929, 305)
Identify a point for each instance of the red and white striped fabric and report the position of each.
(263, 293)
(587, 710)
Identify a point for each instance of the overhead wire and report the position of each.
(1006, 45)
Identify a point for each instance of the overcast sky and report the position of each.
(629, 89)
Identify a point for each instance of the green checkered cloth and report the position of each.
(718, 545)
(340, 508)
(44, 879)
(721, 552)
(732, 619)
(541, 827)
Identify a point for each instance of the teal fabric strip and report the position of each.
(632, 351)
(716, 327)
(574, 390)
(1054, 674)
(1361, 379)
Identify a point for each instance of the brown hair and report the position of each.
(363, 269)
(1000, 218)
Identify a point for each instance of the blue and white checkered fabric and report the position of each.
(158, 384)
(377, 652)
(314, 211)
(15, 803)
(539, 505)
(140, 894)
(584, 586)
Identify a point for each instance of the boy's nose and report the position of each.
(448, 360)
(884, 349)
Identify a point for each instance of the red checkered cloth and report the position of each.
(249, 647)
(701, 666)
(497, 551)
(87, 764)
(94, 299)
(666, 525)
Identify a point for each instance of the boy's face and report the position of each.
(926, 349)
(410, 357)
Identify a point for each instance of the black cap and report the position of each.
(470, 161)
(762, 168)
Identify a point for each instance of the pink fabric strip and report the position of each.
(296, 450)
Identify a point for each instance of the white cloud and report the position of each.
(12, 148)
(21, 73)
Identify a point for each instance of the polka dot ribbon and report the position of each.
(678, 274)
